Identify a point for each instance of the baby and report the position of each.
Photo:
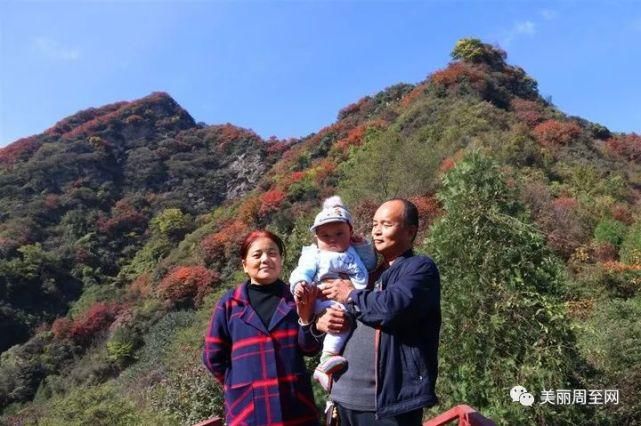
(337, 253)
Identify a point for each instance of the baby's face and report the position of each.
(335, 236)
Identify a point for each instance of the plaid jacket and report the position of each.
(261, 369)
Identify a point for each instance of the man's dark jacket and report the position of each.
(406, 312)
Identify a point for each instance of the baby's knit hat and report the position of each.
(333, 211)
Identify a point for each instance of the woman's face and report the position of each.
(263, 262)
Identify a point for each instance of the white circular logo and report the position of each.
(516, 392)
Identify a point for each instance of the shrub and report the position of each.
(249, 209)
(429, 210)
(610, 231)
(296, 176)
(565, 231)
(97, 405)
(187, 283)
(353, 138)
(303, 190)
(626, 146)
(169, 371)
(19, 150)
(140, 287)
(621, 280)
(324, 170)
(555, 133)
(122, 345)
(172, 224)
(147, 257)
(133, 119)
(20, 375)
(389, 165)
(475, 51)
(222, 245)
(228, 135)
(446, 165)
(277, 147)
(587, 180)
(363, 104)
(622, 213)
(300, 236)
(152, 355)
(604, 252)
(271, 201)
(528, 112)
(124, 217)
(630, 252)
(97, 318)
(599, 131)
(61, 328)
(189, 395)
(609, 339)
(458, 73)
(362, 213)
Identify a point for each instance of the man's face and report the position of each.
(334, 236)
(390, 235)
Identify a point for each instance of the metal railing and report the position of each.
(463, 414)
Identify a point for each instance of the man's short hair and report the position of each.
(410, 214)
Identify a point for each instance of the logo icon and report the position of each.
(520, 394)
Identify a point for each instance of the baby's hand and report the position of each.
(300, 291)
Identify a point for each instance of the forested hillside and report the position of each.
(119, 229)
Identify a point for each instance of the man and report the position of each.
(392, 353)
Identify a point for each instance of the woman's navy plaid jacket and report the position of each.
(261, 368)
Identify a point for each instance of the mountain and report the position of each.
(82, 193)
(119, 229)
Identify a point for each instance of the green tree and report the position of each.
(389, 165)
(172, 224)
(34, 287)
(610, 231)
(167, 228)
(503, 319)
(610, 339)
(475, 51)
(122, 344)
(631, 247)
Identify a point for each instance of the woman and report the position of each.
(256, 341)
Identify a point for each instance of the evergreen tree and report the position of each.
(503, 319)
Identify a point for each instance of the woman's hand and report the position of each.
(332, 321)
(300, 291)
(305, 303)
(337, 289)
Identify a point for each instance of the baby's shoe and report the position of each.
(332, 364)
(325, 380)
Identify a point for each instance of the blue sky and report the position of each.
(286, 68)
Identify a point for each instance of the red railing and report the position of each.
(464, 414)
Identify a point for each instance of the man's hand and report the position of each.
(337, 289)
(332, 321)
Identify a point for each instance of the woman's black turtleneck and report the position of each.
(264, 298)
